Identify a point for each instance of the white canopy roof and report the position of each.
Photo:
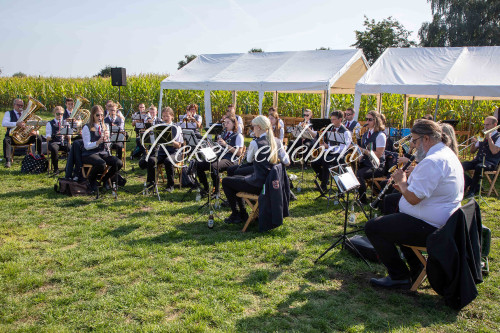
(450, 72)
(329, 71)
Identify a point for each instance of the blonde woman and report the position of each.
(263, 152)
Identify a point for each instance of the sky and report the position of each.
(79, 38)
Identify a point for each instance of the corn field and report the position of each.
(144, 88)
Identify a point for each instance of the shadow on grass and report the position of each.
(348, 303)
(123, 230)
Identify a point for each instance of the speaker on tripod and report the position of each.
(118, 78)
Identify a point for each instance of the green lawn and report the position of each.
(137, 264)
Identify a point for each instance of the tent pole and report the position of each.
(436, 110)
(470, 117)
(328, 103)
(275, 100)
(405, 112)
(208, 108)
(322, 105)
(161, 101)
(379, 102)
(234, 99)
(261, 98)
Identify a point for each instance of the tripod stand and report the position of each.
(481, 177)
(345, 183)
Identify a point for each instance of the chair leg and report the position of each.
(423, 273)
(253, 214)
(492, 183)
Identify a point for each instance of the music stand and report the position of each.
(346, 182)
(320, 123)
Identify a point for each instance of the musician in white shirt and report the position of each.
(55, 140)
(191, 120)
(231, 111)
(431, 194)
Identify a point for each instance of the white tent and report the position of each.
(322, 71)
(434, 72)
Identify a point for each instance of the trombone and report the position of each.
(479, 137)
(402, 141)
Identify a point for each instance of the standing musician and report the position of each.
(303, 142)
(489, 148)
(231, 111)
(112, 119)
(373, 140)
(55, 140)
(337, 140)
(191, 120)
(70, 104)
(10, 120)
(263, 152)
(431, 194)
(167, 154)
(278, 129)
(96, 151)
(233, 143)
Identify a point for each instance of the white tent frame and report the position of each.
(444, 89)
(336, 84)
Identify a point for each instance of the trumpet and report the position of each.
(402, 141)
(479, 136)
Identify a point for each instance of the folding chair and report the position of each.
(252, 201)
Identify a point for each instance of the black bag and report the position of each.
(34, 164)
(188, 177)
(363, 245)
(71, 187)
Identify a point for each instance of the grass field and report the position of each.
(137, 264)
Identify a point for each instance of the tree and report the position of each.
(380, 35)
(183, 63)
(254, 50)
(462, 23)
(105, 72)
(19, 74)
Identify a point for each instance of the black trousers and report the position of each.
(118, 147)
(301, 142)
(321, 167)
(215, 169)
(99, 163)
(386, 232)
(390, 203)
(473, 182)
(367, 172)
(54, 148)
(8, 142)
(240, 170)
(74, 162)
(167, 163)
(233, 185)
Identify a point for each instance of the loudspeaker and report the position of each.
(118, 76)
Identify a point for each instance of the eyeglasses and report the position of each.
(99, 115)
(59, 114)
(369, 119)
(415, 140)
(348, 114)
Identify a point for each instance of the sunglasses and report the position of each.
(59, 114)
(99, 115)
(369, 119)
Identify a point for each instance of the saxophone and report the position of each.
(21, 135)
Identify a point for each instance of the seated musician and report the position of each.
(112, 120)
(489, 149)
(350, 123)
(191, 120)
(109, 105)
(166, 154)
(278, 130)
(95, 134)
(430, 195)
(309, 133)
(153, 117)
(373, 140)
(70, 104)
(336, 141)
(138, 123)
(231, 111)
(10, 120)
(55, 140)
(263, 152)
(233, 143)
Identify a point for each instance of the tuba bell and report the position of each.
(21, 135)
(80, 114)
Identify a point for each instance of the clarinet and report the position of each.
(105, 143)
(389, 184)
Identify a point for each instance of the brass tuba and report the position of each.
(21, 135)
(80, 114)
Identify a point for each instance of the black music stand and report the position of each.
(191, 139)
(346, 182)
(337, 139)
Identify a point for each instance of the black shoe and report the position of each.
(7, 164)
(92, 188)
(169, 189)
(388, 283)
(107, 186)
(233, 219)
(56, 172)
